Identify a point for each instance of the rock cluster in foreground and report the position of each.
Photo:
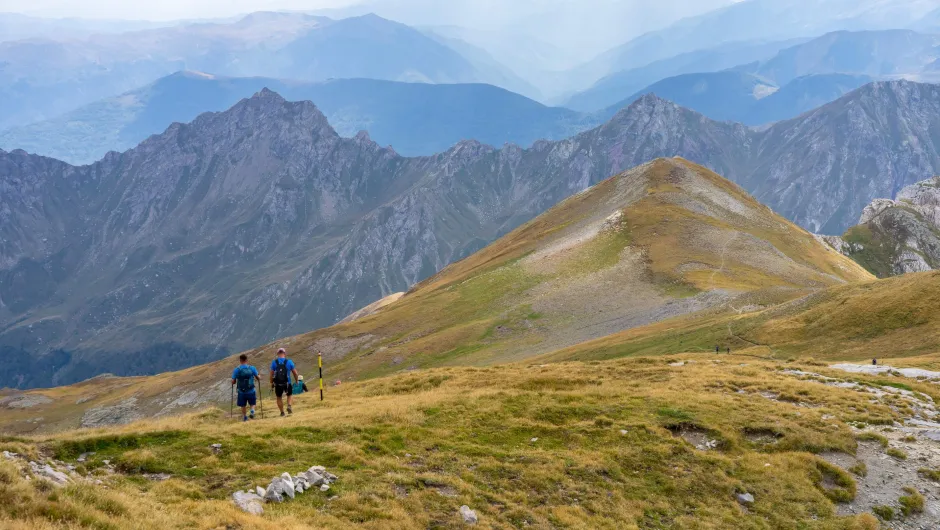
(282, 488)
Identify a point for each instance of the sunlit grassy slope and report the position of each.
(892, 318)
(665, 239)
(566, 445)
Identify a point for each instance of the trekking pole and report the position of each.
(320, 365)
(261, 404)
(231, 406)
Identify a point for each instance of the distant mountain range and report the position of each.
(756, 21)
(414, 118)
(747, 98)
(261, 222)
(850, 56)
(616, 87)
(41, 79)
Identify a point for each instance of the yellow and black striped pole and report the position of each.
(320, 364)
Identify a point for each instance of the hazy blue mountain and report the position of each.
(756, 20)
(415, 118)
(746, 98)
(802, 95)
(722, 96)
(498, 72)
(879, 54)
(615, 87)
(41, 79)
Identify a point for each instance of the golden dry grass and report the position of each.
(411, 448)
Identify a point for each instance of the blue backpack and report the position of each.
(245, 379)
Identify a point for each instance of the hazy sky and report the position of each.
(160, 10)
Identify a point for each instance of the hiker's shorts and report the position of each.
(279, 390)
(246, 398)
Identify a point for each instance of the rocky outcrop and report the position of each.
(897, 236)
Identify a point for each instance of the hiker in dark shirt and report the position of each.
(281, 370)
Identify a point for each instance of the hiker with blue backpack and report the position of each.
(281, 370)
(243, 378)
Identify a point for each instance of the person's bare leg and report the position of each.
(280, 405)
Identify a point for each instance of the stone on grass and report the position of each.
(279, 487)
(469, 516)
(745, 499)
(46, 471)
(216, 448)
(298, 487)
(260, 491)
(248, 502)
(273, 495)
(314, 478)
(325, 487)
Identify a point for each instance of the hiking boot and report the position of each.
(252, 414)
(289, 411)
(282, 414)
(245, 418)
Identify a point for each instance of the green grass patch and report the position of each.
(896, 453)
(930, 474)
(886, 513)
(912, 503)
(860, 469)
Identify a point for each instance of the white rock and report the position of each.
(260, 491)
(745, 498)
(57, 477)
(534, 440)
(318, 469)
(313, 478)
(624, 432)
(272, 493)
(325, 487)
(287, 480)
(298, 487)
(469, 516)
(248, 502)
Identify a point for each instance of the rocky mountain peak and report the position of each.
(897, 236)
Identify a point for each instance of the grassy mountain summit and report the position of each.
(661, 240)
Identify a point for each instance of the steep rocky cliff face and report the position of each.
(261, 222)
(897, 236)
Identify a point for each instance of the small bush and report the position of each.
(911, 503)
(872, 437)
(859, 469)
(930, 474)
(845, 485)
(885, 512)
(897, 453)
(909, 439)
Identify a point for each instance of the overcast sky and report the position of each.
(580, 27)
(158, 10)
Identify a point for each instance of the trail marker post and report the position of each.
(320, 365)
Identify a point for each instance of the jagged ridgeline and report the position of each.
(665, 239)
(261, 222)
